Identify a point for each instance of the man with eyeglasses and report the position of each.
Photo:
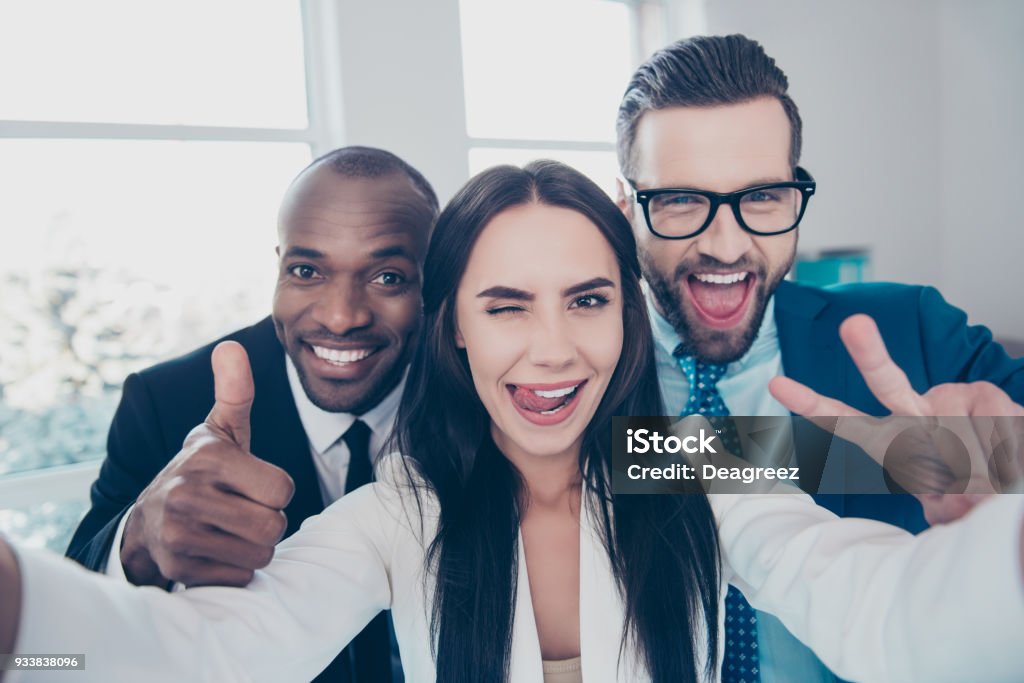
(708, 146)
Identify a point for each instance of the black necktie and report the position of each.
(360, 471)
(371, 651)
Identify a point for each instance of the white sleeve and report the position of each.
(324, 585)
(873, 601)
(113, 568)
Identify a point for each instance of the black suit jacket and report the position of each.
(160, 406)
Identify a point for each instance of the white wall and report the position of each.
(911, 115)
(400, 66)
(864, 77)
(908, 108)
(981, 113)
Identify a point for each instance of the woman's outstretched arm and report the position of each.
(876, 603)
(325, 583)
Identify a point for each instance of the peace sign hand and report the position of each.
(980, 415)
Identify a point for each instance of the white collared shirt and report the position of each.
(325, 431)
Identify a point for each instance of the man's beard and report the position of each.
(700, 341)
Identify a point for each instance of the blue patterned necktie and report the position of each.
(742, 663)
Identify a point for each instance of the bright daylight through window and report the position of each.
(141, 171)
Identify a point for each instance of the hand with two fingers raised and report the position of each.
(968, 435)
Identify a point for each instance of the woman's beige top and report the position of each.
(563, 671)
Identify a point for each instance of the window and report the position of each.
(142, 160)
(144, 149)
(543, 78)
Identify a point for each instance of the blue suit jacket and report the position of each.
(927, 337)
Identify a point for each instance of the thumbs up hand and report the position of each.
(233, 394)
(213, 515)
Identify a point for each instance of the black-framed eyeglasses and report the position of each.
(772, 209)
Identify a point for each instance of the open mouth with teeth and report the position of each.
(342, 357)
(546, 403)
(352, 364)
(721, 299)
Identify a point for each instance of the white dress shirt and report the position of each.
(325, 431)
(326, 445)
(875, 602)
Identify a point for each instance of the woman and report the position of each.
(549, 344)
(496, 541)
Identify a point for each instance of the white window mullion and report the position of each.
(140, 131)
(52, 485)
(324, 96)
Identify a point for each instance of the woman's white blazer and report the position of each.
(874, 602)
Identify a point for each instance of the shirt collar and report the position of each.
(763, 349)
(324, 428)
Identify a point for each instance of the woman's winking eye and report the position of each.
(592, 300)
(504, 310)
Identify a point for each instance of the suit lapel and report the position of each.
(277, 433)
(810, 351)
(602, 613)
(525, 661)
(812, 356)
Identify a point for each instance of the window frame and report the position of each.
(324, 131)
(648, 19)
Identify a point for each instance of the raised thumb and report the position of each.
(233, 392)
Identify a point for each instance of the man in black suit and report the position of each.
(328, 368)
